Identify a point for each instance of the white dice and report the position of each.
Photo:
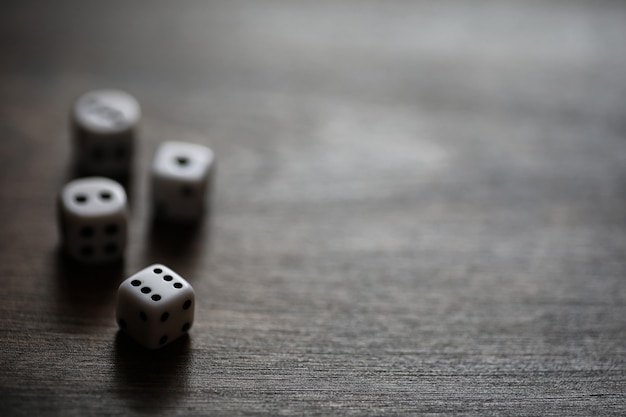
(93, 219)
(104, 124)
(155, 306)
(181, 178)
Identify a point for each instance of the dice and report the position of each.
(93, 219)
(181, 178)
(155, 306)
(104, 125)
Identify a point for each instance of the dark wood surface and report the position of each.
(419, 207)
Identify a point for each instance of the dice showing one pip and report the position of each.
(181, 180)
(104, 125)
(155, 306)
(93, 219)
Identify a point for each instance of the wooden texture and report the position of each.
(419, 207)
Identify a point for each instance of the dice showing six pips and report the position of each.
(155, 306)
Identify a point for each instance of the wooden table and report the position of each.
(419, 207)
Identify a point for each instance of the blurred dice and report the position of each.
(181, 178)
(104, 126)
(93, 220)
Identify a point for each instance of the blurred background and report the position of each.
(419, 206)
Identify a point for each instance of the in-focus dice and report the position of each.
(93, 219)
(181, 180)
(104, 125)
(155, 306)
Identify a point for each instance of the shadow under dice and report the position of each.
(93, 219)
(104, 125)
(155, 306)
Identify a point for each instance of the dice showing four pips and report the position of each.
(155, 306)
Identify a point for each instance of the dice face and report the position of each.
(155, 306)
(104, 124)
(181, 177)
(93, 219)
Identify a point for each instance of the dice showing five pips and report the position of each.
(155, 306)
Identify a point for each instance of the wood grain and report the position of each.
(418, 208)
